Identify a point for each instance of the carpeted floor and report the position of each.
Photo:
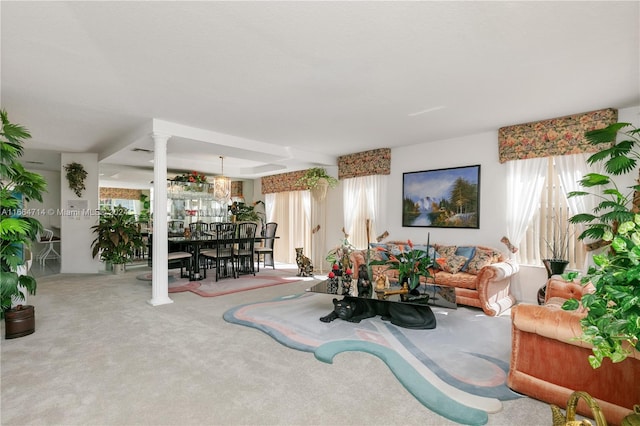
(101, 355)
(209, 287)
(458, 369)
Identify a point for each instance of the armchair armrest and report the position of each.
(499, 271)
(494, 287)
(549, 321)
(558, 287)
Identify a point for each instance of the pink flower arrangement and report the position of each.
(193, 177)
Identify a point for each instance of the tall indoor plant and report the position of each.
(17, 229)
(612, 322)
(118, 237)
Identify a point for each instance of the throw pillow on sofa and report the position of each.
(378, 251)
(480, 259)
(446, 251)
(468, 252)
(454, 263)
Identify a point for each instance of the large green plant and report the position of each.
(244, 212)
(17, 229)
(612, 322)
(118, 235)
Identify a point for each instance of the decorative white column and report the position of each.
(160, 270)
(318, 233)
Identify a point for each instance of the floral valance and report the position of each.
(120, 193)
(282, 182)
(556, 136)
(374, 162)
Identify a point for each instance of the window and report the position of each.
(549, 221)
(132, 205)
(291, 210)
(364, 198)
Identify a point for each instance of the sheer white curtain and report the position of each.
(291, 211)
(269, 207)
(571, 169)
(364, 199)
(352, 208)
(525, 180)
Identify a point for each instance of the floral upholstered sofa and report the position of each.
(481, 275)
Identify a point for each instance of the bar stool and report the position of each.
(48, 252)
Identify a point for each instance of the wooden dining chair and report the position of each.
(266, 250)
(198, 227)
(243, 248)
(221, 254)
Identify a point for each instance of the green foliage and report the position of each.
(410, 262)
(340, 254)
(76, 174)
(118, 235)
(244, 212)
(612, 322)
(144, 215)
(17, 232)
(312, 176)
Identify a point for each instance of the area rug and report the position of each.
(209, 287)
(457, 370)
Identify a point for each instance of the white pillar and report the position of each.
(160, 270)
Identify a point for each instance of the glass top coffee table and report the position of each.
(425, 294)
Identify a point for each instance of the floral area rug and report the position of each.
(209, 287)
(458, 370)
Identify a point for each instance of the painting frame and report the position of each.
(442, 198)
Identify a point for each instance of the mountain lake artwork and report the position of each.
(442, 198)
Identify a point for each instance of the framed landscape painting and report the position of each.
(442, 198)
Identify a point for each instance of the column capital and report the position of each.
(156, 136)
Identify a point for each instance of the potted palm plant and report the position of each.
(118, 237)
(17, 229)
(612, 322)
(557, 254)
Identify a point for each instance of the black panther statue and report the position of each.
(355, 309)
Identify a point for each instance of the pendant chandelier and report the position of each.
(221, 186)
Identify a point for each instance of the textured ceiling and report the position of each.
(281, 86)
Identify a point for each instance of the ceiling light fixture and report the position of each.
(221, 185)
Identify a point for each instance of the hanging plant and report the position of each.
(76, 174)
(312, 176)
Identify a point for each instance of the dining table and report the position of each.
(194, 243)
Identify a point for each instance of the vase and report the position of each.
(118, 268)
(553, 267)
(412, 281)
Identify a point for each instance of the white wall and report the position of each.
(464, 151)
(471, 150)
(76, 234)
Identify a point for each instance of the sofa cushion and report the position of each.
(460, 280)
(468, 252)
(454, 263)
(480, 259)
(446, 251)
(379, 251)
